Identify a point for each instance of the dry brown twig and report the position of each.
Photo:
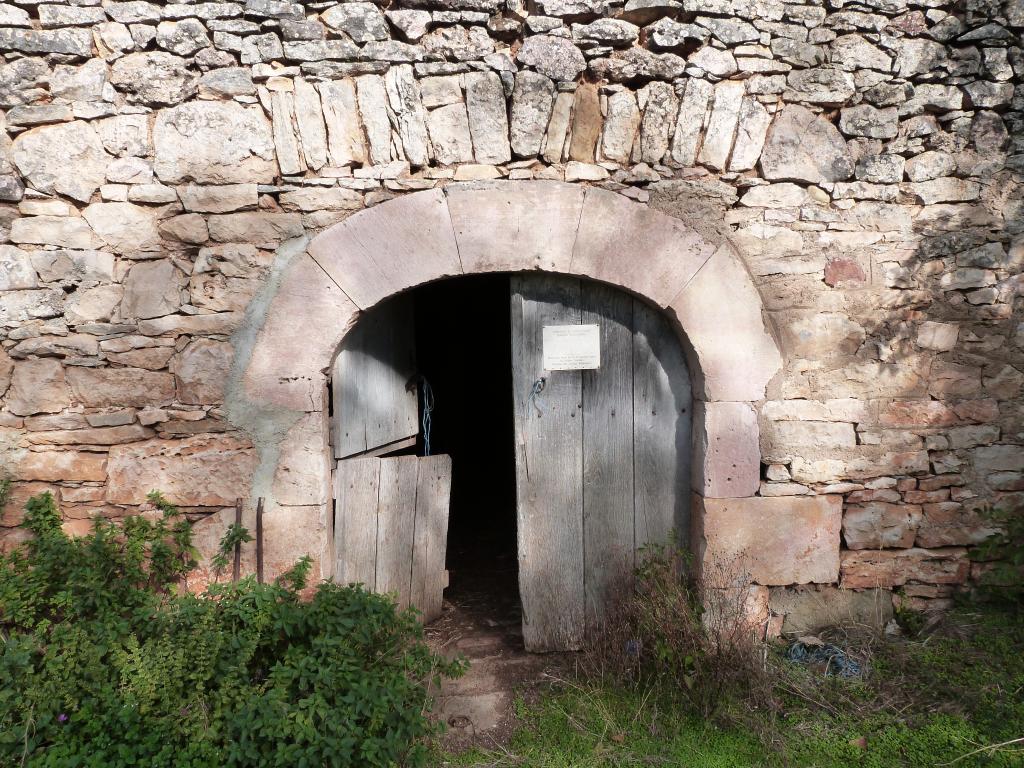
(990, 748)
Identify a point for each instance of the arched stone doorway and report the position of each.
(278, 385)
(529, 433)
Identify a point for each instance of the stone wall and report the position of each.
(864, 158)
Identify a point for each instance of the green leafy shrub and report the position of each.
(105, 664)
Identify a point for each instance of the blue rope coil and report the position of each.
(836, 660)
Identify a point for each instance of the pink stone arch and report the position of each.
(279, 394)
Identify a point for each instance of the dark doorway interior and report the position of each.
(463, 348)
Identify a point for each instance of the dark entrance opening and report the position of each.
(463, 349)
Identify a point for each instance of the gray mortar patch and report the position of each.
(266, 426)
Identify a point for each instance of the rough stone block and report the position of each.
(60, 231)
(152, 289)
(916, 413)
(802, 147)
(66, 159)
(61, 466)
(268, 229)
(610, 225)
(879, 524)
(734, 354)
(776, 541)
(37, 386)
(867, 462)
(224, 198)
(721, 129)
(816, 335)
(998, 457)
(95, 436)
(840, 409)
(120, 387)
(621, 124)
(449, 134)
(807, 610)
(488, 118)
(781, 440)
(380, 252)
(532, 101)
(866, 568)
(214, 142)
(948, 524)
(201, 370)
(511, 226)
(305, 322)
(726, 458)
(202, 471)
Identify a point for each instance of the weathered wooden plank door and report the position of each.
(373, 383)
(391, 513)
(549, 468)
(662, 441)
(391, 526)
(602, 456)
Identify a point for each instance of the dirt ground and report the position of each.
(482, 620)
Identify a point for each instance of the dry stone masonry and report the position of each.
(162, 163)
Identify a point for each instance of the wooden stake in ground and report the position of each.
(259, 540)
(236, 569)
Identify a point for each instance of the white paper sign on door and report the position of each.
(571, 347)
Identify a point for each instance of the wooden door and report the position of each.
(391, 527)
(373, 383)
(391, 513)
(602, 456)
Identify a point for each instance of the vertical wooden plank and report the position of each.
(396, 521)
(374, 405)
(608, 495)
(433, 492)
(661, 429)
(549, 468)
(356, 489)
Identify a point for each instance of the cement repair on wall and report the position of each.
(864, 160)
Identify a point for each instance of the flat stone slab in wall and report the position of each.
(805, 610)
(773, 541)
(204, 471)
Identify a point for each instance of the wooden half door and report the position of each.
(391, 512)
(602, 455)
(391, 527)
